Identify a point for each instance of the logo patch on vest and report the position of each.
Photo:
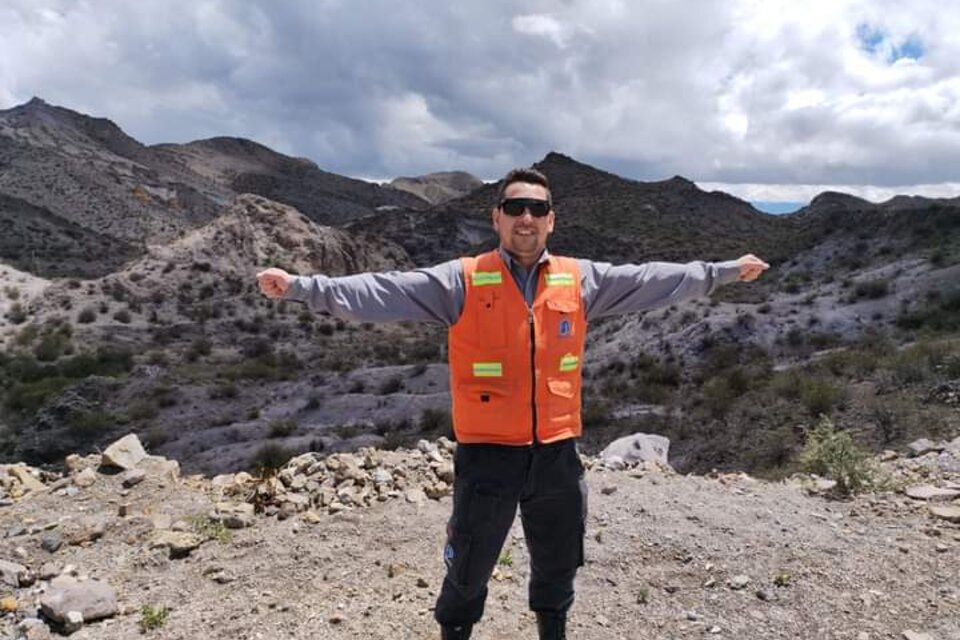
(564, 328)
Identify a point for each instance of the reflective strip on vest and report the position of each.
(569, 363)
(559, 279)
(483, 278)
(488, 370)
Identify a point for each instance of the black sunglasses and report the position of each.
(515, 207)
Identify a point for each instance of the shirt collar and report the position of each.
(513, 264)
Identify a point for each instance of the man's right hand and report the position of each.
(274, 282)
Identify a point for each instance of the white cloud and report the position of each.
(743, 92)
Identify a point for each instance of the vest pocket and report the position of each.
(492, 318)
(564, 399)
(484, 402)
(562, 319)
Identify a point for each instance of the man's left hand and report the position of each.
(751, 267)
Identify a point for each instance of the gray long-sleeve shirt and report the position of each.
(437, 293)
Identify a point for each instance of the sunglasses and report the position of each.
(515, 207)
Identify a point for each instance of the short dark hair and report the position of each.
(523, 174)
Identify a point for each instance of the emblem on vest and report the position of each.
(564, 328)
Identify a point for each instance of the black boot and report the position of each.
(552, 626)
(456, 633)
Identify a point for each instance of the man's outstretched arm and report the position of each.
(629, 288)
(433, 293)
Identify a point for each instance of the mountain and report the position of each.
(439, 187)
(603, 217)
(88, 172)
(243, 166)
(80, 188)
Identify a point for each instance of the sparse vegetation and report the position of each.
(152, 617)
(832, 454)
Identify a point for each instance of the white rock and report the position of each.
(639, 447)
(125, 453)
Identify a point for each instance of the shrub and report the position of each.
(122, 316)
(871, 289)
(435, 420)
(832, 454)
(281, 428)
(270, 458)
(16, 314)
(152, 617)
(818, 396)
(391, 385)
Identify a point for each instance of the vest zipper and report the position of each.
(533, 371)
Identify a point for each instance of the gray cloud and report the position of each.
(740, 92)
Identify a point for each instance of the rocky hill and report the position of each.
(243, 166)
(603, 217)
(79, 188)
(439, 187)
(121, 546)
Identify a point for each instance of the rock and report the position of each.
(608, 490)
(48, 571)
(179, 543)
(12, 573)
(425, 446)
(636, 448)
(34, 629)
(931, 493)
(51, 542)
(914, 635)
(25, 478)
(72, 622)
(738, 582)
(161, 468)
(125, 453)
(922, 446)
(86, 478)
(234, 515)
(381, 476)
(445, 472)
(86, 530)
(950, 513)
(132, 477)
(415, 496)
(92, 599)
(8, 604)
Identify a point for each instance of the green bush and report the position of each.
(393, 384)
(270, 458)
(871, 289)
(832, 454)
(818, 396)
(436, 421)
(152, 617)
(281, 428)
(17, 314)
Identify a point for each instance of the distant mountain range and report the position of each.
(78, 196)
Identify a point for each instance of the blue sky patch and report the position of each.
(876, 41)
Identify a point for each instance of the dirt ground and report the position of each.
(668, 556)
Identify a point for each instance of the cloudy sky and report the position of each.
(771, 100)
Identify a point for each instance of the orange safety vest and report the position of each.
(515, 370)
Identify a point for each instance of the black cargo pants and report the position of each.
(546, 480)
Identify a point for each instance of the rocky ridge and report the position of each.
(347, 546)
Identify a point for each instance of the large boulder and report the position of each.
(635, 449)
(125, 453)
(93, 599)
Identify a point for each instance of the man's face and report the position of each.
(524, 236)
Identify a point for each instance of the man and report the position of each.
(518, 318)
